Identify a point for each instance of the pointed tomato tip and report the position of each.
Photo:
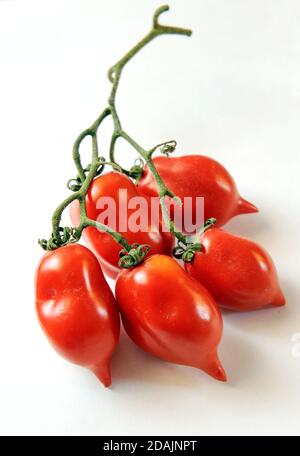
(279, 300)
(215, 369)
(245, 207)
(103, 374)
(220, 374)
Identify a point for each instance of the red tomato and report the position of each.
(170, 315)
(198, 176)
(77, 309)
(239, 273)
(105, 248)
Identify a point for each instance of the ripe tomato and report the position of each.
(239, 273)
(198, 176)
(105, 248)
(170, 315)
(77, 309)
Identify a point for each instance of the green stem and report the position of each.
(86, 182)
(163, 191)
(57, 214)
(114, 75)
(114, 234)
(88, 132)
(157, 29)
(85, 222)
(115, 71)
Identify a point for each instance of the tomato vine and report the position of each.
(131, 255)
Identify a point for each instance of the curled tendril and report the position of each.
(168, 148)
(139, 162)
(67, 235)
(134, 257)
(186, 253)
(75, 184)
(165, 148)
(158, 12)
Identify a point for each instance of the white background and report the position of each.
(231, 91)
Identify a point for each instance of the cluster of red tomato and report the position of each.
(169, 311)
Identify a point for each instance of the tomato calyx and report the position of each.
(137, 170)
(66, 235)
(133, 257)
(186, 250)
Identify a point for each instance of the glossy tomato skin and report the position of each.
(105, 248)
(170, 315)
(239, 273)
(198, 176)
(76, 308)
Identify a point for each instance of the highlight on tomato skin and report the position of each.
(170, 315)
(102, 244)
(198, 176)
(76, 308)
(239, 273)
